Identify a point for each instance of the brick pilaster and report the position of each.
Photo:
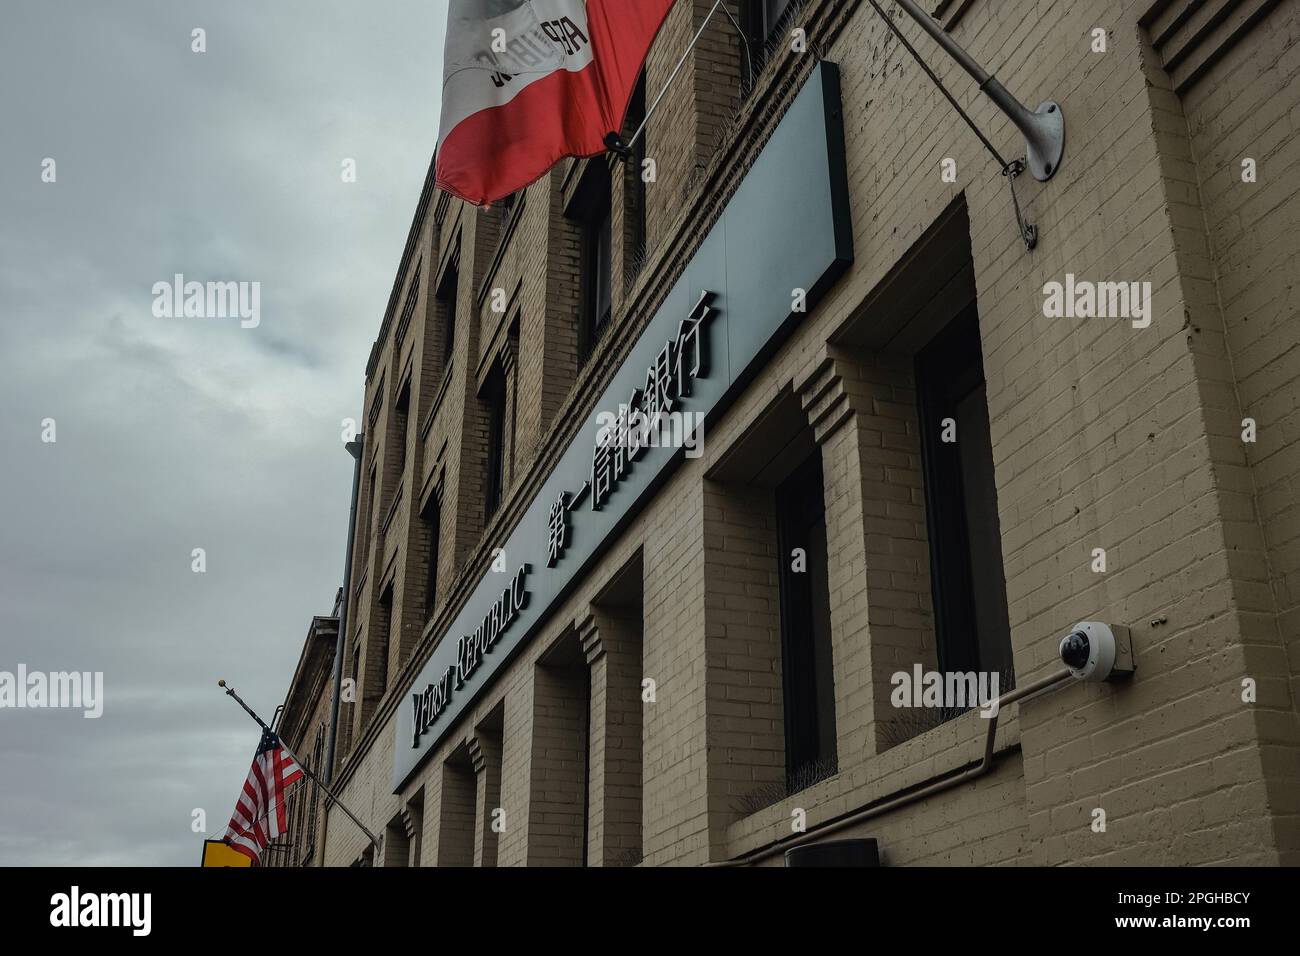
(862, 410)
(611, 643)
(485, 757)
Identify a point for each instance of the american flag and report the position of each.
(260, 815)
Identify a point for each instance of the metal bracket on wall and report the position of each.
(1028, 232)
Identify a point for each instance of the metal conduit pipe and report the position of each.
(889, 805)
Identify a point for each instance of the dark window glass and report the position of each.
(355, 674)
(636, 211)
(447, 295)
(432, 519)
(967, 579)
(368, 524)
(806, 659)
(591, 209)
(495, 396)
(385, 634)
(597, 273)
(773, 11)
(313, 804)
(760, 20)
(401, 426)
(602, 271)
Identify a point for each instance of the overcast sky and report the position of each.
(183, 433)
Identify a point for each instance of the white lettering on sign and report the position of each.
(680, 362)
(429, 704)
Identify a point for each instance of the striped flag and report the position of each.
(260, 815)
(529, 82)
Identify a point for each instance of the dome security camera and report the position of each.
(1094, 651)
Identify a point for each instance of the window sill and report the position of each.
(878, 777)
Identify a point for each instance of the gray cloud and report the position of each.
(175, 434)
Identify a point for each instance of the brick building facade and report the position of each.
(687, 700)
(304, 729)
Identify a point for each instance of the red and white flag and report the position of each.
(260, 814)
(529, 82)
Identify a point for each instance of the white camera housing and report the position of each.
(1094, 651)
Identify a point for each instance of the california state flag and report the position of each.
(529, 82)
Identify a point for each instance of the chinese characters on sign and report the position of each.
(624, 439)
(682, 359)
(557, 537)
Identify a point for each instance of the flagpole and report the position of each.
(230, 692)
(1044, 128)
(615, 144)
(356, 449)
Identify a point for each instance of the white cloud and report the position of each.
(175, 434)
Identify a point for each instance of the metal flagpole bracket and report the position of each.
(1043, 128)
(1044, 131)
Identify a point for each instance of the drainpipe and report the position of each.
(938, 786)
(355, 449)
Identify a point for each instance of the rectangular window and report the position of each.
(967, 580)
(354, 672)
(385, 634)
(432, 522)
(806, 657)
(636, 195)
(494, 395)
(504, 209)
(408, 308)
(599, 268)
(401, 426)
(448, 293)
(313, 804)
(759, 21)
(367, 523)
(591, 209)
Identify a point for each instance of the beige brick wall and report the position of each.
(486, 752)
(1230, 97)
(863, 408)
(456, 817)
(742, 638)
(611, 642)
(557, 781)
